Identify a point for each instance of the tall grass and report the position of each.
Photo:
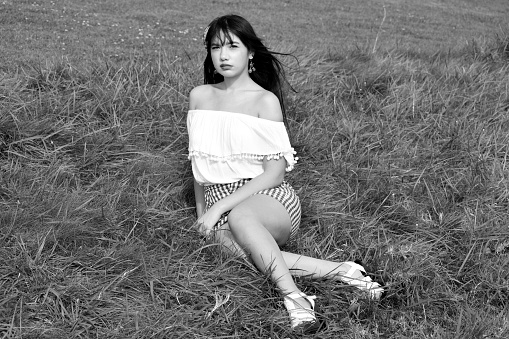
(404, 166)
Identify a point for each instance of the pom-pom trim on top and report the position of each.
(288, 155)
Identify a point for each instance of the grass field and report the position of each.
(400, 121)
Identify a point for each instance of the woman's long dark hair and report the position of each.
(269, 72)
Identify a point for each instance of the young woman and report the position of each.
(240, 150)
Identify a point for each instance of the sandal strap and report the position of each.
(365, 283)
(299, 315)
(294, 295)
(354, 267)
(289, 301)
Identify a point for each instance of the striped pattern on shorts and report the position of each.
(283, 193)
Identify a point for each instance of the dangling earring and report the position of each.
(251, 68)
(215, 71)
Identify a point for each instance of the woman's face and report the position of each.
(230, 58)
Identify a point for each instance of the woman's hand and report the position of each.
(205, 224)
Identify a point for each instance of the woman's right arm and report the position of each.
(199, 194)
(199, 197)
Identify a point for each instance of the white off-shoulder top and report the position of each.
(225, 147)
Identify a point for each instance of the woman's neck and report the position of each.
(241, 82)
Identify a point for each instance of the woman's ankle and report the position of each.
(300, 299)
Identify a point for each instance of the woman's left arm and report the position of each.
(272, 176)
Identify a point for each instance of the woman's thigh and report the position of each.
(261, 210)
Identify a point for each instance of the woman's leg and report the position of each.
(301, 265)
(297, 265)
(259, 225)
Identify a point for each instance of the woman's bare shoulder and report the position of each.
(201, 89)
(200, 94)
(269, 107)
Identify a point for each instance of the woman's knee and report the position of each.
(238, 219)
(245, 219)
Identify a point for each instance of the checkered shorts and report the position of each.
(283, 193)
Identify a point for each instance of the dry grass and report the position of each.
(37, 30)
(403, 165)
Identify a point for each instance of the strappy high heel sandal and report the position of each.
(302, 318)
(365, 283)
